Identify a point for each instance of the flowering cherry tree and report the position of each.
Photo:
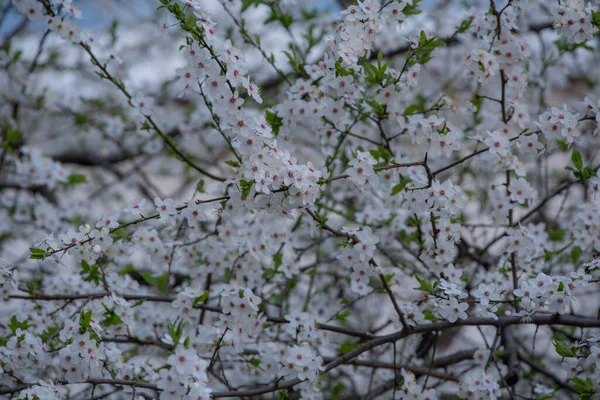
(253, 199)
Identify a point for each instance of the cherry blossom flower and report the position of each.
(453, 310)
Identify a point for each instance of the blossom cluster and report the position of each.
(241, 316)
(299, 204)
(574, 20)
(186, 375)
(358, 257)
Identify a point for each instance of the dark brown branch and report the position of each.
(169, 299)
(417, 370)
(546, 373)
(539, 320)
(275, 81)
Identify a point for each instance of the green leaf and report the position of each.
(113, 30)
(85, 318)
(272, 17)
(424, 285)
(146, 276)
(232, 163)
(588, 172)
(577, 160)
(145, 126)
(254, 361)
(419, 106)
(17, 55)
(291, 284)
(282, 395)
(246, 188)
(286, 20)
(119, 234)
(576, 254)
(347, 346)
(247, 3)
(343, 316)
(37, 254)
(127, 269)
(227, 274)
(277, 259)
(430, 316)
(562, 145)
(269, 274)
(200, 186)
(293, 60)
(80, 119)
(596, 19)
(32, 287)
(337, 391)
(563, 350)
(160, 282)
(176, 331)
(341, 71)
(111, 318)
(584, 388)
(412, 9)
(202, 298)
(413, 221)
(376, 106)
(275, 122)
(376, 74)
(408, 238)
(16, 324)
(12, 136)
(426, 46)
(90, 273)
(321, 219)
(75, 179)
(400, 186)
(413, 109)
(48, 333)
(190, 22)
(464, 25)
(556, 235)
(565, 47)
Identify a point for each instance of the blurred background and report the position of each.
(101, 14)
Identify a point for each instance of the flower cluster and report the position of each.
(241, 316)
(585, 227)
(551, 293)
(174, 204)
(528, 241)
(411, 389)
(36, 169)
(358, 257)
(9, 279)
(479, 384)
(301, 362)
(23, 356)
(46, 390)
(560, 124)
(361, 173)
(357, 30)
(574, 21)
(186, 375)
(303, 326)
(81, 358)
